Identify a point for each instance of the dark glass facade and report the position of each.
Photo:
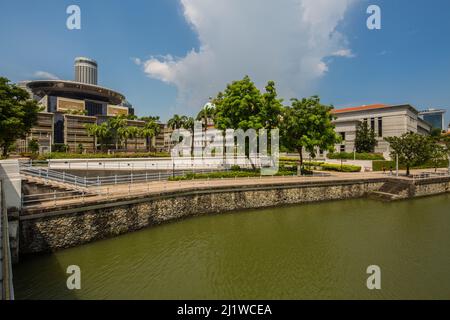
(435, 119)
(95, 108)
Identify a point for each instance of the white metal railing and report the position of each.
(55, 199)
(56, 176)
(430, 175)
(85, 182)
(35, 200)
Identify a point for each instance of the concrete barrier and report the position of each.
(12, 183)
(6, 282)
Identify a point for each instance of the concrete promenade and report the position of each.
(131, 191)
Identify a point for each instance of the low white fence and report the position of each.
(430, 175)
(179, 163)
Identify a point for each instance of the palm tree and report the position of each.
(124, 133)
(189, 124)
(117, 124)
(150, 130)
(134, 133)
(100, 132)
(176, 122)
(148, 118)
(205, 114)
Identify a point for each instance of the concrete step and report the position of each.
(384, 196)
(54, 184)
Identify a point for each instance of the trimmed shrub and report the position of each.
(339, 168)
(62, 155)
(359, 156)
(378, 165)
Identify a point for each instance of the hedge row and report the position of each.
(226, 174)
(379, 165)
(326, 166)
(340, 168)
(63, 155)
(359, 156)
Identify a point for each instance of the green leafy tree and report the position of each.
(242, 106)
(33, 146)
(150, 130)
(271, 107)
(18, 114)
(438, 153)
(307, 126)
(365, 141)
(445, 141)
(436, 133)
(412, 149)
(239, 107)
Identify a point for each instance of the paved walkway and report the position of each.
(131, 191)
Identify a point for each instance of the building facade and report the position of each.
(71, 105)
(385, 120)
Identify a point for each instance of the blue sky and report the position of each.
(189, 50)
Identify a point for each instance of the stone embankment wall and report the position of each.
(53, 231)
(75, 226)
(431, 187)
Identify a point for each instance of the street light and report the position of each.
(396, 164)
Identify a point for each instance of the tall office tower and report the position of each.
(85, 70)
(436, 117)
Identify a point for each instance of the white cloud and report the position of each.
(346, 53)
(286, 41)
(136, 61)
(43, 75)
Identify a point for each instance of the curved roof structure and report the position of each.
(75, 90)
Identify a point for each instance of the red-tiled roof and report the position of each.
(361, 108)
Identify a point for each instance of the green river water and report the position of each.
(296, 252)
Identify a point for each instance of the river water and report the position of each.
(296, 252)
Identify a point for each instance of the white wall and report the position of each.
(12, 183)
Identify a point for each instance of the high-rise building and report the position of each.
(86, 70)
(72, 105)
(436, 117)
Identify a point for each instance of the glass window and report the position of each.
(380, 127)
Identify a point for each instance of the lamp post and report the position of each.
(396, 164)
